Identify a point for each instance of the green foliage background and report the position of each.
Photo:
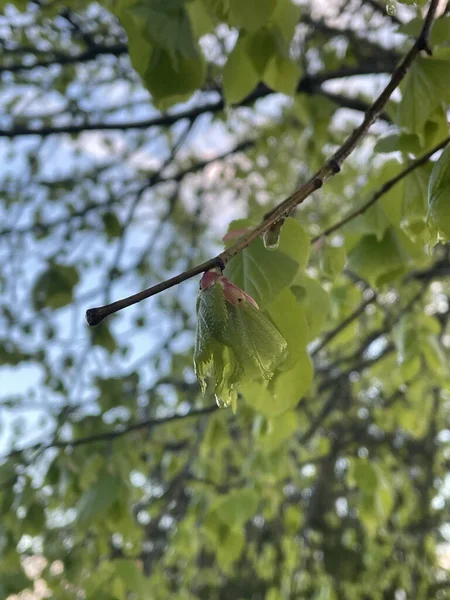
(132, 135)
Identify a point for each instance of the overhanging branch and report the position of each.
(332, 166)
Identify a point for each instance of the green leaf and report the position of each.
(295, 242)
(314, 301)
(290, 320)
(239, 75)
(54, 287)
(415, 192)
(259, 398)
(251, 14)
(111, 225)
(233, 343)
(426, 87)
(436, 128)
(95, 502)
(279, 429)
(132, 577)
(167, 25)
(435, 356)
(440, 32)
(260, 46)
(373, 221)
(211, 355)
(332, 259)
(235, 508)
(170, 82)
(399, 142)
(259, 346)
(230, 547)
(384, 495)
(261, 273)
(201, 21)
(439, 196)
(406, 338)
(378, 261)
(102, 336)
(363, 475)
(289, 387)
(282, 75)
(285, 18)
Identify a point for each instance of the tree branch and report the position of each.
(112, 435)
(309, 84)
(328, 337)
(330, 168)
(67, 59)
(151, 182)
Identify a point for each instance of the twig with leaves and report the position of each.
(331, 167)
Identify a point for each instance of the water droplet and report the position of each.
(391, 8)
(271, 239)
(220, 403)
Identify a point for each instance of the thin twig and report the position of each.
(309, 84)
(332, 166)
(112, 435)
(328, 337)
(384, 189)
(153, 180)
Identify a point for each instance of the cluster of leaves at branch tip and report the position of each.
(255, 342)
(438, 217)
(235, 341)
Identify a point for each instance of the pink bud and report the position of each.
(208, 280)
(235, 233)
(233, 294)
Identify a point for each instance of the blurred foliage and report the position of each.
(133, 135)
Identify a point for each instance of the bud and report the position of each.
(235, 341)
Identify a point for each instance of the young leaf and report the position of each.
(379, 261)
(263, 273)
(415, 202)
(289, 318)
(54, 288)
(171, 81)
(439, 196)
(282, 75)
(332, 258)
(261, 45)
(251, 14)
(289, 387)
(426, 86)
(239, 74)
(285, 18)
(315, 303)
(234, 340)
(95, 502)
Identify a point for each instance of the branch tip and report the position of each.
(94, 316)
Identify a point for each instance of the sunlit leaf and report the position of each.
(439, 194)
(262, 273)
